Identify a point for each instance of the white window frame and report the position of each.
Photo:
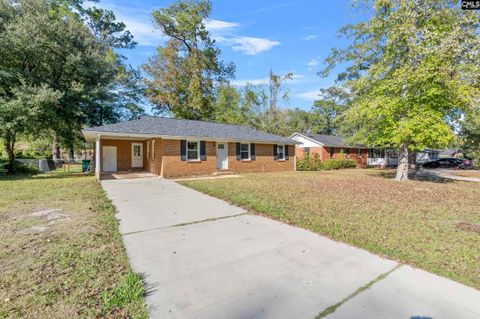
(153, 150)
(249, 152)
(148, 150)
(283, 152)
(198, 151)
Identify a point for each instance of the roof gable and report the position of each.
(328, 140)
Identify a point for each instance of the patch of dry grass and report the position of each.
(415, 222)
(469, 173)
(66, 260)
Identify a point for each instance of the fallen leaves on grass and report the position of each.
(412, 221)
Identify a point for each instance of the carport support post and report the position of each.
(97, 157)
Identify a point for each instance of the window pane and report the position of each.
(244, 147)
(244, 155)
(192, 146)
(221, 146)
(136, 150)
(280, 151)
(192, 154)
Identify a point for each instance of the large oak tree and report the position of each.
(410, 67)
(59, 70)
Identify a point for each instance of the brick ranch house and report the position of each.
(328, 147)
(335, 147)
(175, 148)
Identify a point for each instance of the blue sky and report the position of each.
(289, 36)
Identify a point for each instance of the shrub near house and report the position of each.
(313, 163)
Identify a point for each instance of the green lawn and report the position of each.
(431, 225)
(67, 262)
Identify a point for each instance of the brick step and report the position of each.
(223, 172)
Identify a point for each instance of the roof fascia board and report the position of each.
(171, 137)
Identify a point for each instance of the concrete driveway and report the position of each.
(209, 259)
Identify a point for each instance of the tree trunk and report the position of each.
(55, 147)
(402, 168)
(413, 161)
(9, 146)
(71, 154)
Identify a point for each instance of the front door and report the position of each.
(222, 155)
(109, 158)
(137, 155)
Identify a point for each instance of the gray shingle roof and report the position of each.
(330, 140)
(162, 126)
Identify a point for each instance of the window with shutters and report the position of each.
(193, 150)
(281, 152)
(332, 152)
(245, 151)
(306, 150)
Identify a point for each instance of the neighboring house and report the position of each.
(451, 152)
(335, 147)
(428, 155)
(328, 147)
(173, 148)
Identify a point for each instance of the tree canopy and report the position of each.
(328, 110)
(410, 66)
(185, 74)
(59, 70)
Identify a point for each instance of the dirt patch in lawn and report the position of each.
(470, 227)
(61, 253)
(415, 222)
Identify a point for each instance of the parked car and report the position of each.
(458, 163)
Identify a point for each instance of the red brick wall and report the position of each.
(154, 166)
(167, 161)
(173, 166)
(324, 153)
(264, 162)
(124, 153)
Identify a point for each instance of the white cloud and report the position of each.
(223, 33)
(313, 62)
(251, 45)
(143, 33)
(139, 23)
(308, 95)
(213, 25)
(310, 37)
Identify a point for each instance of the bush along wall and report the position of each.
(313, 163)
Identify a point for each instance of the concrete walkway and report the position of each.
(208, 259)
